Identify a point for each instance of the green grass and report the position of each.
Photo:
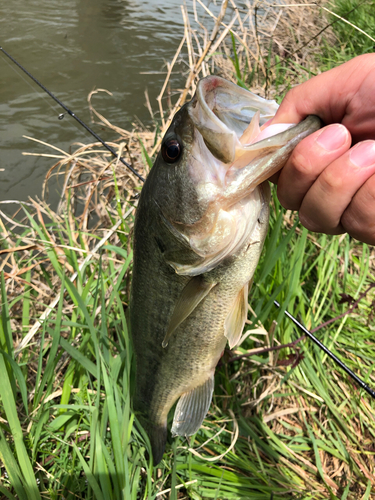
(353, 25)
(283, 424)
(356, 29)
(67, 429)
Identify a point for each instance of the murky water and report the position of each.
(73, 47)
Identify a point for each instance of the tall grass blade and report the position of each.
(7, 397)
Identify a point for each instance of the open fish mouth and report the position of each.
(231, 118)
(233, 125)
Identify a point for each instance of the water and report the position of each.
(73, 47)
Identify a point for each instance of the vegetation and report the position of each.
(284, 423)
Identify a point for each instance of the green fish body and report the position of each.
(200, 226)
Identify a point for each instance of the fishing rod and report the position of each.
(112, 151)
(328, 352)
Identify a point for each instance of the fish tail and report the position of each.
(157, 434)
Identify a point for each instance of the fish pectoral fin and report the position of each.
(191, 409)
(194, 292)
(235, 321)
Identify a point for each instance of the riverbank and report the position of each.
(283, 424)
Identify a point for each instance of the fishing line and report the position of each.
(42, 96)
(112, 151)
(328, 352)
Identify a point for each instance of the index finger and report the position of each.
(326, 95)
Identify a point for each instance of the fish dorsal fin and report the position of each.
(235, 321)
(193, 293)
(191, 409)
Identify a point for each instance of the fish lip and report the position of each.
(298, 128)
(217, 136)
(206, 85)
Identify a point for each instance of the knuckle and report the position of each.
(321, 225)
(355, 227)
(287, 202)
(358, 219)
(308, 223)
(301, 162)
(351, 223)
(330, 181)
(289, 198)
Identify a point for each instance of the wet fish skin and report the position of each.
(178, 279)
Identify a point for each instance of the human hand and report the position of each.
(330, 176)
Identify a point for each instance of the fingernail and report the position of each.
(363, 154)
(333, 137)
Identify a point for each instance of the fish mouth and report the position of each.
(233, 124)
(223, 112)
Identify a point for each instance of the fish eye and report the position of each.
(171, 150)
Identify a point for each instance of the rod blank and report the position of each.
(328, 352)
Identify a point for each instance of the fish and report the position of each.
(199, 230)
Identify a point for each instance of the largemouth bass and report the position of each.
(200, 225)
